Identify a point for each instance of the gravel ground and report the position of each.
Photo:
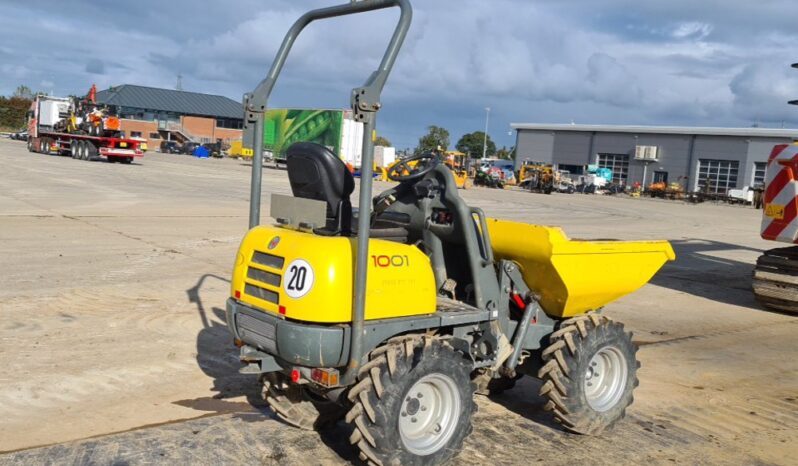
(114, 348)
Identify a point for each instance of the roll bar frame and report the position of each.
(365, 101)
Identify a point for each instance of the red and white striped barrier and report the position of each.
(780, 219)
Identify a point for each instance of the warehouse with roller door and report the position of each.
(710, 159)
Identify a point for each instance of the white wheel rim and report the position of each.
(605, 378)
(429, 415)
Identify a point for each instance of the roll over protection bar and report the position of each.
(365, 102)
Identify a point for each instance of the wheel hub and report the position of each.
(429, 415)
(605, 378)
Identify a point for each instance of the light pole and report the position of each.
(485, 139)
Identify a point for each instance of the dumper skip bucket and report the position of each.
(575, 276)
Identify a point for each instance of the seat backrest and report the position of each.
(316, 173)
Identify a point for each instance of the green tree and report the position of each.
(506, 154)
(14, 108)
(471, 144)
(436, 137)
(381, 141)
(23, 92)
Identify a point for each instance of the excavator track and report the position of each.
(775, 281)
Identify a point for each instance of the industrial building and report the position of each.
(710, 159)
(165, 114)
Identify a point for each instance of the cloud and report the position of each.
(676, 62)
(761, 92)
(692, 30)
(95, 66)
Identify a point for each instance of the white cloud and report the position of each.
(676, 62)
(692, 30)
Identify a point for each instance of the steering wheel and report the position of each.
(402, 171)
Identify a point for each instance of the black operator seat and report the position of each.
(316, 173)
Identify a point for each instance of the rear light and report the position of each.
(238, 343)
(325, 377)
(281, 309)
(237, 294)
(295, 375)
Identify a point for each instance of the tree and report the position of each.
(436, 137)
(23, 92)
(471, 144)
(505, 154)
(381, 141)
(14, 108)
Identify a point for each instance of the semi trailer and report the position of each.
(54, 128)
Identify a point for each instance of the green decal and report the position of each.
(284, 127)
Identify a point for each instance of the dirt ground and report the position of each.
(113, 347)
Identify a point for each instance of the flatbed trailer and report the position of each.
(47, 118)
(85, 147)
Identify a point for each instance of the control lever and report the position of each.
(426, 188)
(383, 203)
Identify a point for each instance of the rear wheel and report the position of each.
(297, 405)
(413, 403)
(589, 373)
(91, 151)
(126, 160)
(44, 147)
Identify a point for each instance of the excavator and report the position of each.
(538, 176)
(392, 315)
(775, 280)
(86, 116)
(456, 161)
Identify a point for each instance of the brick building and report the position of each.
(165, 114)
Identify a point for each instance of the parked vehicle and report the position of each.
(19, 136)
(53, 128)
(188, 147)
(214, 148)
(169, 147)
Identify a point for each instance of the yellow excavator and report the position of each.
(457, 163)
(392, 315)
(538, 177)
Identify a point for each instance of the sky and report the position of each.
(644, 62)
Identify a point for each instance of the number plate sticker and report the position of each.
(775, 211)
(298, 278)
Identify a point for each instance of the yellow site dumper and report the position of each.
(390, 318)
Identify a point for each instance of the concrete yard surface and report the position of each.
(113, 346)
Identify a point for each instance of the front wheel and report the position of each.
(413, 403)
(589, 373)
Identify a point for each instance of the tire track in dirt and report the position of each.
(719, 333)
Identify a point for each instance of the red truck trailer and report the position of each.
(47, 134)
